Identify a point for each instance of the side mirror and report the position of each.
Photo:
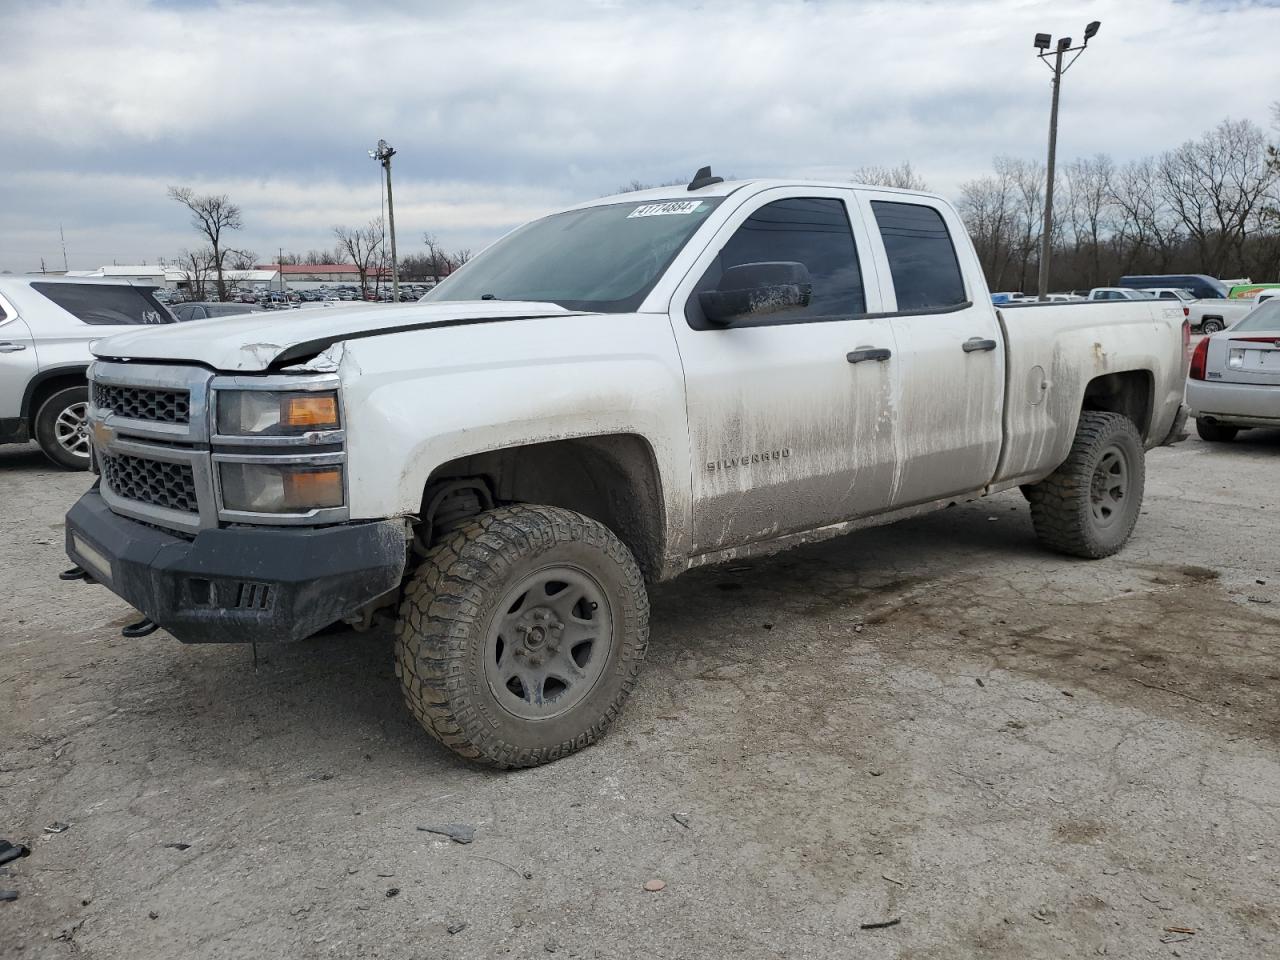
(756, 288)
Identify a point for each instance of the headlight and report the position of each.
(275, 413)
(280, 488)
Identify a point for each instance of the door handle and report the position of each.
(7, 347)
(978, 343)
(868, 353)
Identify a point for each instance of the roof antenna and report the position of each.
(703, 178)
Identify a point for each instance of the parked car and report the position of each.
(617, 393)
(1118, 293)
(46, 326)
(201, 310)
(1210, 316)
(1201, 286)
(1170, 293)
(1234, 381)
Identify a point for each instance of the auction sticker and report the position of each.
(665, 209)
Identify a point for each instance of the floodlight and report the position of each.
(1064, 43)
(1042, 41)
(1091, 30)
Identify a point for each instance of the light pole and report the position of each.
(383, 155)
(1043, 42)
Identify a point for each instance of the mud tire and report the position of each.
(451, 602)
(1063, 504)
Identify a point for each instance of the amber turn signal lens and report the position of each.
(315, 411)
(310, 489)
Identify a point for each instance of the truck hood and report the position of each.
(272, 340)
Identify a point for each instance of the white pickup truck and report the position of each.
(1211, 316)
(604, 398)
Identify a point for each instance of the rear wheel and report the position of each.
(1212, 326)
(1216, 432)
(1089, 505)
(522, 635)
(62, 428)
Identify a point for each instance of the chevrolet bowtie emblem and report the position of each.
(102, 434)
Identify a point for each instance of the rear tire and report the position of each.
(522, 635)
(1212, 326)
(1216, 432)
(1089, 505)
(62, 428)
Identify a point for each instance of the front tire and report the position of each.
(1089, 505)
(1216, 432)
(62, 428)
(1212, 326)
(521, 635)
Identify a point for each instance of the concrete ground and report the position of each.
(1006, 753)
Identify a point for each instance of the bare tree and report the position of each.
(213, 215)
(1088, 206)
(902, 176)
(461, 256)
(362, 245)
(438, 262)
(241, 259)
(195, 267)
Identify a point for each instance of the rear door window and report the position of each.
(922, 258)
(105, 304)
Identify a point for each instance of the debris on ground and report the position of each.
(682, 819)
(1253, 599)
(8, 895)
(177, 846)
(1189, 930)
(880, 924)
(456, 928)
(655, 885)
(57, 827)
(11, 851)
(153, 915)
(457, 832)
(885, 876)
(393, 892)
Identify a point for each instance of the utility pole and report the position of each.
(1042, 42)
(65, 268)
(383, 155)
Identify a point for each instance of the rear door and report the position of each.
(86, 312)
(18, 362)
(950, 350)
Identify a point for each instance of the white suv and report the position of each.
(46, 327)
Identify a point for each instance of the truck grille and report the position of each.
(141, 403)
(168, 485)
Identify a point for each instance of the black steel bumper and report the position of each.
(241, 584)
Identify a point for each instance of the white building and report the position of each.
(174, 277)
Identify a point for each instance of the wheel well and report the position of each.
(46, 385)
(1128, 393)
(612, 478)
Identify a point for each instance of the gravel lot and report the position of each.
(1017, 755)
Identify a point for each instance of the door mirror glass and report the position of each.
(757, 288)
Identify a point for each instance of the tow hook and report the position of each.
(142, 628)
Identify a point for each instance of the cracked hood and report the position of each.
(256, 342)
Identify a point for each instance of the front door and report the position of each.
(791, 419)
(18, 363)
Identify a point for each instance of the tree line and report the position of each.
(1211, 205)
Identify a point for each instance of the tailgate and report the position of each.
(1252, 358)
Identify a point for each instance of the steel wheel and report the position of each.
(549, 647)
(71, 429)
(1109, 485)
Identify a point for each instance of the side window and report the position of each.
(812, 231)
(922, 258)
(106, 304)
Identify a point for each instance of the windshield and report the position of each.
(604, 259)
(1265, 316)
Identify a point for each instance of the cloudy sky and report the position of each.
(504, 110)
